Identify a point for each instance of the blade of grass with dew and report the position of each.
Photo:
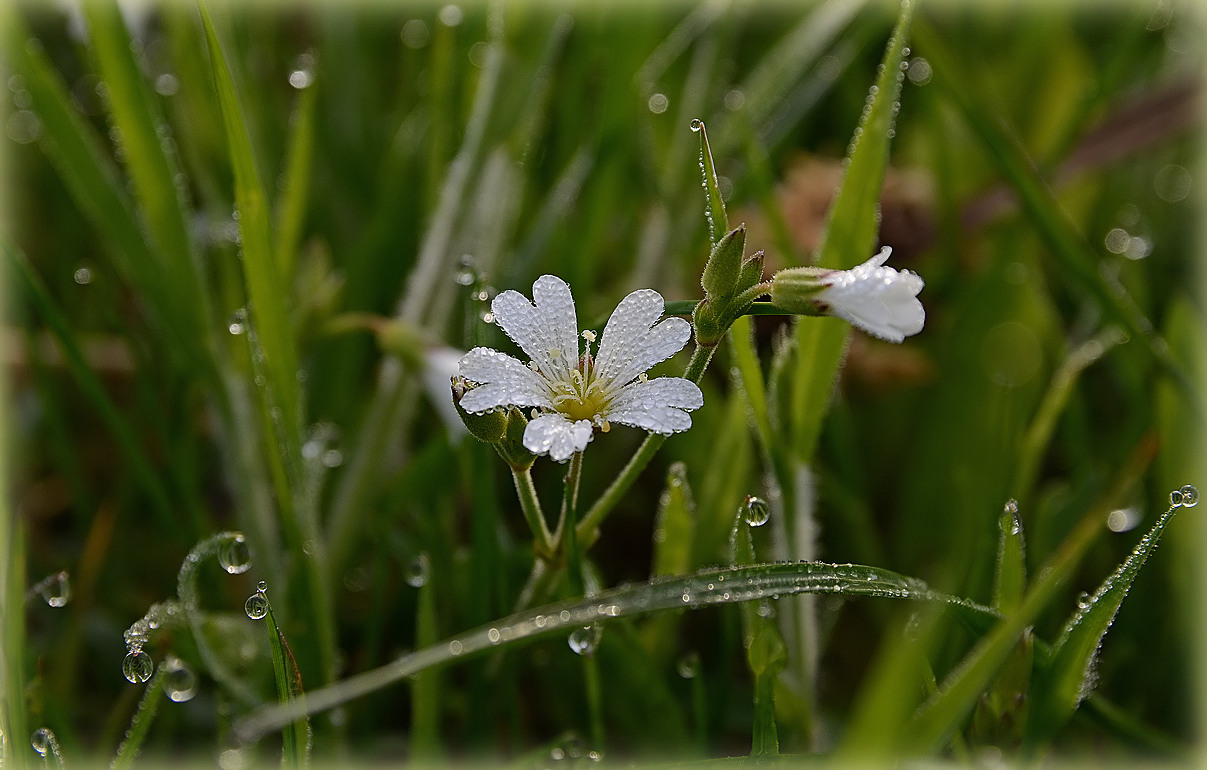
(296, 736)
(146, 154)
(706, 588)
(140, 725)
(295, 193)
(97, 187)
(1067, 678)
(848, 240)
(942, 714)
(1067, 246)
(273, 353)
(1010, 575)
(22, 274)
(13, 680)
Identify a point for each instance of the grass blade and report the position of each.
(705, 588)
(1069, 674)
(140, 725)
(849, 239)
(296, 736)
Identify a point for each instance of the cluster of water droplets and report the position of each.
(478, 286)
(322, 445)
(1186, 497)
(1010, 522)
(44, 742)
(137, 666)
(302, 74)
(256, 605)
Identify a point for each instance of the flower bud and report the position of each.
(487, 426)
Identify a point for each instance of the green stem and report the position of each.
(543, 541)
(588, 527)
(684, 307)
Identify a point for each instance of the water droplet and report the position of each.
(1083, 600)
(1175, 498)
(756, 511)
(237, 324)
(82, 276)
(256, 605)
(415, 34)
(180, 683)
(735, 100)
(450, 15)
(137, 667)
(658, 103)
(301, 78)
(1190, 496)
(765, 609)
(689, 665)
(234, 555)
(418, 570)
(166, 84)
(455, 647)
(1010, 522)
(56, 590)
(43, 742)
(584, 640)
(233, 759)
(696, 125)
(24, 127)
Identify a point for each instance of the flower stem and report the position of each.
(588, 527)
(543, 541)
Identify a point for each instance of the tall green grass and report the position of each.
(232, 267)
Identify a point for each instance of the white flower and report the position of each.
(878, 299)
(577, 394)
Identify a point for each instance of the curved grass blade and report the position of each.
(943, 713)
(140, 725)
(1068, 677)
(296, 736)
(299, 159)
(724, 585)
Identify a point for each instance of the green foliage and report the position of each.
(246, 247)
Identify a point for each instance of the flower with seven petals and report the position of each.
(577, 394)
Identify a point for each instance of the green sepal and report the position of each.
(488, 426)
(511, 445)
(795, 289)
(707, 323)
(752, 270)
(723, 270)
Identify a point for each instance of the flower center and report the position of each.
(580, 397)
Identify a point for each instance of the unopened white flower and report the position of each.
(878, 299)
(576, 394)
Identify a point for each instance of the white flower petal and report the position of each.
(878, 299)
(503, 381)
(548, 331)
(630, 346)
(656, 405)
(554, 435)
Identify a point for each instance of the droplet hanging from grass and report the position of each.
(689, 665)
(584, 640)
(137, 666)
(1188, 496)
(234, 555)
(180, 683)
(256, 605)
(757, 511)
(417, 571)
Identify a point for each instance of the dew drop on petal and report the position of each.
(137, 667)
(756, 511)
(234, 555)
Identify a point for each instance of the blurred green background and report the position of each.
(416, 158)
